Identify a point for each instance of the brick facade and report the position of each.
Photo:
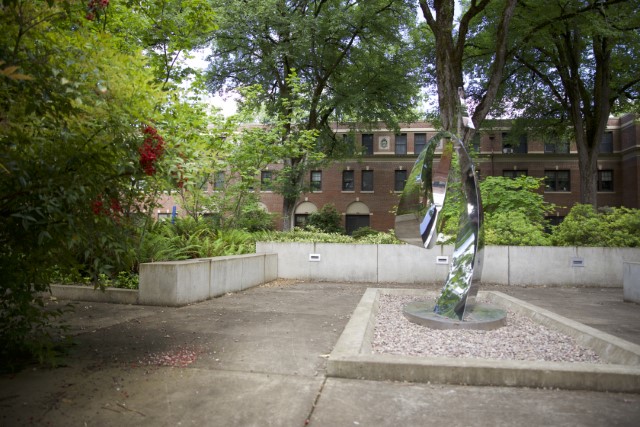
(363, 206)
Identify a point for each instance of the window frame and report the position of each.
(400, 141)
(418, 147)
(366, 177)
(600, 181)
(397, 181)
(553, 176)
(345, 181)
(367, 146)
(315, 185)
(266, 180)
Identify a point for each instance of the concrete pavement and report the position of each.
(258, 358)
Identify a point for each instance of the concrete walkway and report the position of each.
(259, 357)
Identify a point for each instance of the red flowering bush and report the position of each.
(151, 150)
(110, 208)
(94, 7)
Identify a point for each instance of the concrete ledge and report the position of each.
(503, 265)
(178, 283)
(89, 293)
(352, 356)
(631, 282)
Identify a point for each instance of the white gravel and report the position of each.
(521, 339)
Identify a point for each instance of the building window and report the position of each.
(349, 142)
(475, 143)
(514, 144)
(316, 180)
(347, 181)
(419, 142)
(367, 180)
(367, 144)
(401, 144)
(265, 181)
(557, 180)
(605, 180)
(554, 144)
(606, 145)
(400, 179)
(513, 173)
(218, 181)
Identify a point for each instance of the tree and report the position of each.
(349, 60)
(576, 61)
(81, 151)
(452, 51)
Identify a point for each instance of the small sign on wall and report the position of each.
(384, 142)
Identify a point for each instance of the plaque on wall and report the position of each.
(383, 143)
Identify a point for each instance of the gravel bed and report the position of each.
(520, 339)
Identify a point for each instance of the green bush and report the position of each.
(513, 229)
(611, 227)
(327, 219)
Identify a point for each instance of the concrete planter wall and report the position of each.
(176, 283)
(89, 293)
(631, 282)
(503, 265)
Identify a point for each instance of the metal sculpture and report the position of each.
(418, 222)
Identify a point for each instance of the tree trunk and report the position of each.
(449, 57)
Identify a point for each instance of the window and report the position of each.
(349, 143)
(367, 144)
(218, 181)
(555, 144)
(401, 143)
(606, 145)
(367, 181)
(400, 179)
(475, 143)
(419, 142)
(265, 181)
(316, 180)
(605, 180)
(347, 181)
(513, 173)
(514, 144)
(557, 180)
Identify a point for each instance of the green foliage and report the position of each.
(188, 238)
(367, 235)
(612, 227)
(71, 182)
(327, 219)
(514, 229)
(514, 211)
(254, 218)
(311, 234)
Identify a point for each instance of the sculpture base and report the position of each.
(482, 317)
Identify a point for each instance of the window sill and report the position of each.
(366, 191)
(348, 191)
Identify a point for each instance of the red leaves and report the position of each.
(94, 7)
(110, 208)
(151, 150)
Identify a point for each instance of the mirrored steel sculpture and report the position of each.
(418, 221)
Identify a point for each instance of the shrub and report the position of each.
(327, 219)
(612, 227)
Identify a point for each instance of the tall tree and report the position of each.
(350, 59)
(577, 61)
(452, 51)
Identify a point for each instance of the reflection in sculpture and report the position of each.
(418, 219)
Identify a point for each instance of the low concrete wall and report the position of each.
(503, 265)
(631, 282)
(89, 293)
(177, 283)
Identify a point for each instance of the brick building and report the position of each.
(366, 189)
